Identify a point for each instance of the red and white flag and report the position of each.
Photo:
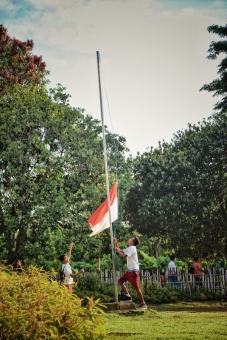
(99, 220)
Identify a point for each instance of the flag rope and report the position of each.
(115, 224)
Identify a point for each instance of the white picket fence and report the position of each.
(215, 281)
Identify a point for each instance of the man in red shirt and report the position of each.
(197, 271)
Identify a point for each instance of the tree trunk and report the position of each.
(156, 244)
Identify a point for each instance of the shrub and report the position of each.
(156, 294)
(90, 285)
(210, 295)
(32, 306)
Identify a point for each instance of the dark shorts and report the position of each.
(173, 278)
(131, 277)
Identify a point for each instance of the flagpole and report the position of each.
(107, 177)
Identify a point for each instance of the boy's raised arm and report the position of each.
(70, 250)
(115, 241)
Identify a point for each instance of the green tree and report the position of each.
(179, 193)
(218, 86)
(52, 173)
(51, 163)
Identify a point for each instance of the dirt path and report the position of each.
(192, 307)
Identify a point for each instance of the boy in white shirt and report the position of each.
(67, 270)
(132, 275)
(172, 270)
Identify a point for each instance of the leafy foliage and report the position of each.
(156, 294)
(218, 86)
(17, 64)
(179, 193)
(91, 285)
(34, 307)
(51, 164)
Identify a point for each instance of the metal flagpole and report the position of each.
(107, 177)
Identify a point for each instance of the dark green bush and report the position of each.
(154, 293)
(209, 294)
(91, 285)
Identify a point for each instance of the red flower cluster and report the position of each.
(3, 33)
(11, 79)
(17, 64)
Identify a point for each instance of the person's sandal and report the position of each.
(128, 298)
(143, 305)
(125, 298)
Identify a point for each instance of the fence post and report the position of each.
(187, 283)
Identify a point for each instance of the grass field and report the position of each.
(181, 321)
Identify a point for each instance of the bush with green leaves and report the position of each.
(209, 294)
(154, 293)
(34, 307)
(91, 285)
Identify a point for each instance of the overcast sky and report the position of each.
(153, 58)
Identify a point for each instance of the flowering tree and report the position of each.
(17, 64)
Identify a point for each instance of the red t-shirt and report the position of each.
(198, 269)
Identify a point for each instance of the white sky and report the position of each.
(153, 58)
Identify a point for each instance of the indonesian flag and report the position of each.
(99, 221)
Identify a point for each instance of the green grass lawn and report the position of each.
(191, 321)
